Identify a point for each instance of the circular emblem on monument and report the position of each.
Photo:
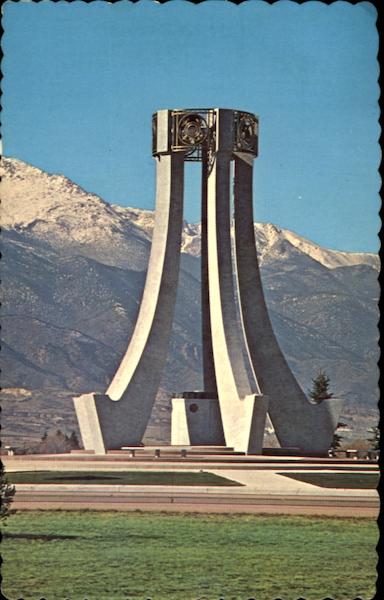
(247, 133)
(193, 130)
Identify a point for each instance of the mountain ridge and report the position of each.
(20, 217)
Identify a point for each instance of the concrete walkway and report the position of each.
(70, 462)
(273, 483)
(263, 490)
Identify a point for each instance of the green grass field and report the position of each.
(121, 477)
(59, 555)
(362, 481)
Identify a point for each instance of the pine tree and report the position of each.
(375, 439)
(320, 388)
(7, 493)
(74, 441)
(336, 441)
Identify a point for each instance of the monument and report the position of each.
(245, 373)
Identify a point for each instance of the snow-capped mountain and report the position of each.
(62, 211)
(73, 274)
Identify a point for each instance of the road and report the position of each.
(175, 501)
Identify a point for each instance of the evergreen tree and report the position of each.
(74, 441)
(7, 493)
(375, 439)
(55, 443)
(336, 442)
(320, 388)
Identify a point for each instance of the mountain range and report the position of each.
(73, 272)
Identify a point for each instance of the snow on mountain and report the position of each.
(274, 242)
(61, 209)
(329, 258)
(50, 198)
(54, 210)
(143, 219)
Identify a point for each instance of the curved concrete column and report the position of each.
(209, 376)
(120, 417)
(242, 410)
(297, 422)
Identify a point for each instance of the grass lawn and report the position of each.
(121, 477)
(61, 555)
(362, 481)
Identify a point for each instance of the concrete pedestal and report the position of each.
(196, 422)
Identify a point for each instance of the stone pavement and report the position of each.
(257, 481)
(263, 489)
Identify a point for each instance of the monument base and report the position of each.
(107, 424)
(196, 421)
(89, 424)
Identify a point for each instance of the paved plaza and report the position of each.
(264, 488)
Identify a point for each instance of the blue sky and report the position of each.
(82, 81)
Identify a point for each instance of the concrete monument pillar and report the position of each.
(243, 411)
(120, 417)
(296, 421)
(209, 375)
